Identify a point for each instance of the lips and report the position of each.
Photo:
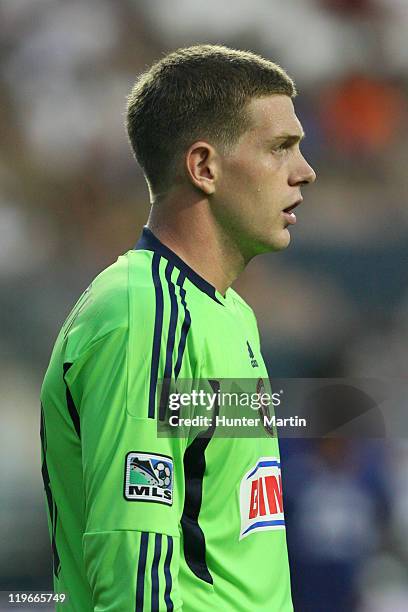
(293, 206)
(289, 214)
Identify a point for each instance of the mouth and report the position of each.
(288, 212)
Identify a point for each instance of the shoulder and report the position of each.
(110, 301)
(241, 303)
(245, 311)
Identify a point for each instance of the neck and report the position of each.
(191, 231)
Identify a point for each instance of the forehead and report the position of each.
(272, 116)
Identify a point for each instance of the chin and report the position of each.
(279, 241)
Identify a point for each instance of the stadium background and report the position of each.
(334, 304)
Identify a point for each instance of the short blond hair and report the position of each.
(198, 92)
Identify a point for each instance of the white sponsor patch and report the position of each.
(149, 478)
(261, 502)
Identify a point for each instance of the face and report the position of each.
(262, 176)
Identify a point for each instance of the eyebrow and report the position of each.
(289, 138)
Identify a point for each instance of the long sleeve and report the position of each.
(133, 480)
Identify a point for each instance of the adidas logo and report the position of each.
(254, 362)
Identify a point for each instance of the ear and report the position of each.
(202, 166)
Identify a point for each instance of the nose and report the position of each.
(303, 174)
(310, 174)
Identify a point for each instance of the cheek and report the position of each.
(253, 176)
(243, 176)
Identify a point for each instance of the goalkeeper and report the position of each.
(143, 522)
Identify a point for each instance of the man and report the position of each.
(144, 522)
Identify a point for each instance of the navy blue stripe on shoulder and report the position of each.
(149, 242)
(185, 327)
(158, 325)
(168, 367)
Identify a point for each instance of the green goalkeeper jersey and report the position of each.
(145, 522)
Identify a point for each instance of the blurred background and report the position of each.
(334, 304)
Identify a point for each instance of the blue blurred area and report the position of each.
(334, 304)
(337, 510)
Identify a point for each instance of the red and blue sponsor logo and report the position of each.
(261, 501)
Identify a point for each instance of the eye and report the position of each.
(286, 146)
(282, 148)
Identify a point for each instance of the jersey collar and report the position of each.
(149, 242)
